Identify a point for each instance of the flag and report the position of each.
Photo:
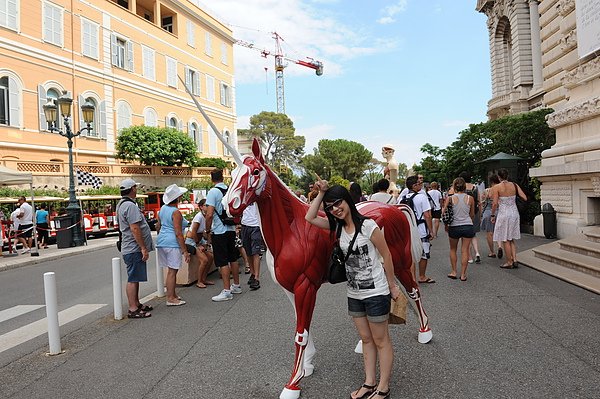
(87, 179)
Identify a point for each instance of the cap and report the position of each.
(127, 184)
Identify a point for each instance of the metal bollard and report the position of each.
(160, 285)
(52, 313)
(117, 296)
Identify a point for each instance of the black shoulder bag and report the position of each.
(337, 263)
(124, 199)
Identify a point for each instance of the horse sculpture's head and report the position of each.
(248, 182)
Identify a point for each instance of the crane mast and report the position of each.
(280, 65)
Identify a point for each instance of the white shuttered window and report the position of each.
(148, 60)
(210, 88)
(89, 39)
(9, 14)
(191, 33)
(53, 24)
(171, 72)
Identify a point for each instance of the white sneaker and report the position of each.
(25, 251)
(236, 289)
(225, 295)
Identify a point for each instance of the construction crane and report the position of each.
(280, 65)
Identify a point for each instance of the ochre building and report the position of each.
(123, 56)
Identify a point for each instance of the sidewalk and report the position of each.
(502, 334)
(11, 262)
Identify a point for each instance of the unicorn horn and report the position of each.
(236, 155)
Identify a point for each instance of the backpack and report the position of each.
(124, 199)
(409, 200)
(227, 220)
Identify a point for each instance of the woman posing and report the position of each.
(486, 218)
(169, 242)
(461, 227)
(505, 215)
(196, 239)
(370, 283)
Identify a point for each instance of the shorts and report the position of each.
(42, 230)
(136, 267)
(426, 248)
(464, 231)
(224, 248)
(375, 308)
(252, 240)
(169, 257)
(436, 214)
(26, 230)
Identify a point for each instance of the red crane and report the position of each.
(280, 65)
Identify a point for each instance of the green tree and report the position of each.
(432, 165)
(343, 158)
(277, 136)
(156, 146)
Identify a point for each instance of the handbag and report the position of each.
(337, 263)
(398, 310)
(448, 214)
(521, 203)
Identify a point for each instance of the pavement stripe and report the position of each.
(17, 311)
(37, 328)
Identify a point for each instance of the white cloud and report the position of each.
(313, 134)
(308, 30)
(389, 12)
(243, 121)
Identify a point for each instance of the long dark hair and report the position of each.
(355, 192)
(335, 193)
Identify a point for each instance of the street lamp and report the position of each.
(64, 107)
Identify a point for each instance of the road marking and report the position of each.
(37, 328)
(17, 311)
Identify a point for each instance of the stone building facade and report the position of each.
(538, 60)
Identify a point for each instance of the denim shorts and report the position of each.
(375, 308)
(463, 231)
(136, 268)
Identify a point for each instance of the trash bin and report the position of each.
(549, 216)
(64, 235)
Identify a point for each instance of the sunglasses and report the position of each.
(336, 203)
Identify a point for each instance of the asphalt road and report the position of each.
(502, 334)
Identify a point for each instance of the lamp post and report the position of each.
(64, 107)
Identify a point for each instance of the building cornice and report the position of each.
(574, 114)
(565, 7)
(582, 74)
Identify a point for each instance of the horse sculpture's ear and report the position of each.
(257, 152)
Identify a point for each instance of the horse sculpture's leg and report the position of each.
(412, 289)
(305, 294)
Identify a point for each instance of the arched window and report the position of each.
(200, 139)
(95, 132)
(150, 117)
(504, 60)
(4, 102)
(123, 116)
(53, 94)
(173, 122)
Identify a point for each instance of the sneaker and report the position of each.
(225, 295)
(251, 279)
(236, 289)
(255, 285)
(25, 251)
(247, 270)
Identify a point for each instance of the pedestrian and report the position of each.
(195, 238)
(356, 192)
(42, 221)
(136, 244)
(473, 192)
(371, 282)
(25, 224)
(419, 203)
(312, 192)
(505, 215)
(170, 243)
(486, 217)
(461, 228)
(382, 194)
(253, 243)
(222, 238)
(16, 232)
(436, 213)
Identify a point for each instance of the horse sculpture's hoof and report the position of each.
(288, 393)
(358, 348)
(425, 336)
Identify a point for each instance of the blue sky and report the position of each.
(396, 72)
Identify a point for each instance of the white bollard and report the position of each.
(52, 313)
(117, 296)
(160, 284)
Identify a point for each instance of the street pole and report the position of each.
(73, 208)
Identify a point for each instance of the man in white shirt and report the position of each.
(25, 224)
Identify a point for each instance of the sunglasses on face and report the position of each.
(328, 207)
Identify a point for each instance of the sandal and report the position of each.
(507, 266)
(138, 314)
(145, 308)
(383, 395)
(491, 255)
(201, 285)
(370, 389)
(500, 253)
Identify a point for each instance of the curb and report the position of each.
(57, 255)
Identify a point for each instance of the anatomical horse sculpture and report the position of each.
(298, 252)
